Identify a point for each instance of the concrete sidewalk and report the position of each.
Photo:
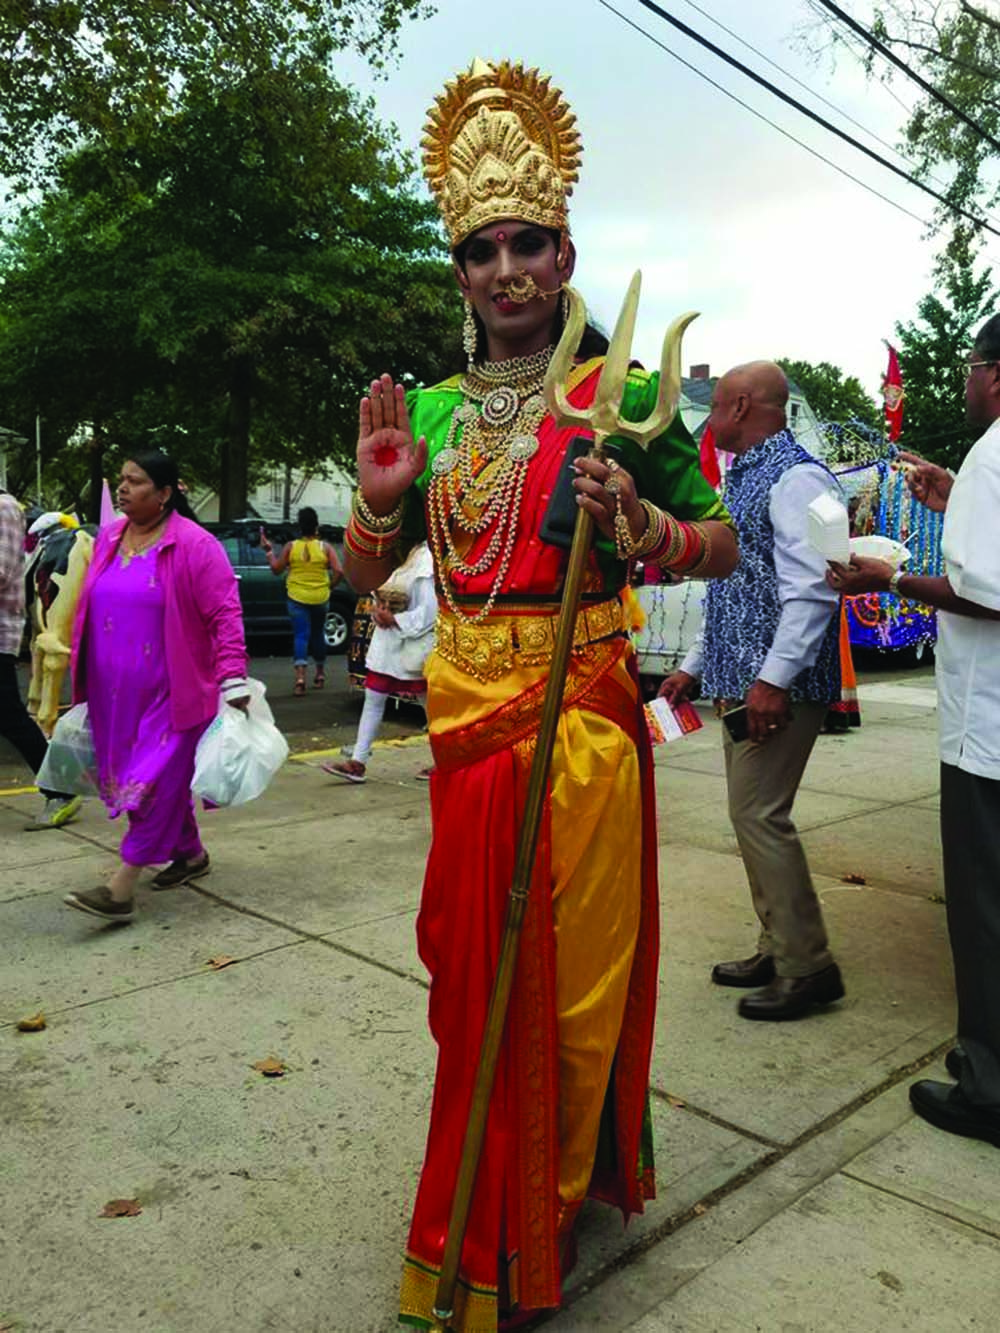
(797, 1192)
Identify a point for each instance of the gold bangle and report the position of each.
(705, 559)
(376, 522)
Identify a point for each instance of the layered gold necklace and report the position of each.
(477, 483)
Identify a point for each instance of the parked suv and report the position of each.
(263, 595)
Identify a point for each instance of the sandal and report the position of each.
(319, 680)
(299, 688)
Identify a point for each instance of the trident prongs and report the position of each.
(603, 417)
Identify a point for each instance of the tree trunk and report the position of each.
(286, 498)
(234, 469)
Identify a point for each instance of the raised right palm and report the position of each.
(389, 460)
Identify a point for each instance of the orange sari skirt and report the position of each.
(569, 1113)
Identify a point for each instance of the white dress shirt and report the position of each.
(807, 600)
(968, 650)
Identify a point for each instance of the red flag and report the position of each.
(709, 458)
(892, 396)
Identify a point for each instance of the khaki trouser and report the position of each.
(762, 782)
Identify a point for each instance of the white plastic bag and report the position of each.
(239, 753)
(70, 766)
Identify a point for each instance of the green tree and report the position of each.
(932, 349)
(227, 282)
(831, 394)
(86, 69)
(956, 47)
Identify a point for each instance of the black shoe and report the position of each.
(755, 971)
(180, 872)
(791, 997)
(944, 1106)
(954, 1061)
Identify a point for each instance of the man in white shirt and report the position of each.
(770, 640)
(967, 597)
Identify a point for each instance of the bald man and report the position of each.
(770, 641)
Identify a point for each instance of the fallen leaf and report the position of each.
(36, 1023)
(270, 1068)
(853, 879)
(121, 1208)
(675, 1101)
(700, 1209)
(220, 961)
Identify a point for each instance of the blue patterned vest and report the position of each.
(742, 612)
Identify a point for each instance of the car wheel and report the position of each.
(336, 630)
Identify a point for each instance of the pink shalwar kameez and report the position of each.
(145, 766)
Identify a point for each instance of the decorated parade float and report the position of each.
(880, 505)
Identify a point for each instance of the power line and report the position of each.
(760, 115)
(819, 96)
(794, 78)
(793, 102)
(877, 45)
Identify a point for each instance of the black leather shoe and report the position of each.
(791, 997)
(755, 971)
(954, 1061)
(944, 1106)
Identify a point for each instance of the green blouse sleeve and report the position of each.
(430, 416)
(668, 473)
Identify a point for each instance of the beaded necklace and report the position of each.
(477, 484)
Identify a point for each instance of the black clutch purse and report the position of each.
(560, 513)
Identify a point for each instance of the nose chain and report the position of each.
(478, 483)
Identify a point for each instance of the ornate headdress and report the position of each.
(500, 142)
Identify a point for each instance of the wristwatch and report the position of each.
(895, 580)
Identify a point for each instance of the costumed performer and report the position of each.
(471, 464)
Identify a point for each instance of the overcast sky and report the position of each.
(782, 255)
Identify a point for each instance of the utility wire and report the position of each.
(819, 96)
(877, 45)
(793, 102)
(760, 115)
(794, 78)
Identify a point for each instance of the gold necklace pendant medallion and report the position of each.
(500, 406)
(522, 448)
(445, 461)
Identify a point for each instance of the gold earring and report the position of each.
(470, 335)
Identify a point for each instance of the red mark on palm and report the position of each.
(386, 455)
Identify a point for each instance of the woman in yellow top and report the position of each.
(313, 569)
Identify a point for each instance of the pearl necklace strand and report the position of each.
(499, 439)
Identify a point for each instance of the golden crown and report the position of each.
(500, 142)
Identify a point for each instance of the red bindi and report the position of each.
(501, 236)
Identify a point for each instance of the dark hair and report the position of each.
(987, 344)
(308, 521)
(161, 469)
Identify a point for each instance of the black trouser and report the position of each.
(16, 725)
(970, 839)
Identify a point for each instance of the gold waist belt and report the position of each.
(497, 644)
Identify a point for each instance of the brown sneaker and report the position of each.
(179, 872)
(99, 902)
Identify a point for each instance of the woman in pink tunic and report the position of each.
(159, 635)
